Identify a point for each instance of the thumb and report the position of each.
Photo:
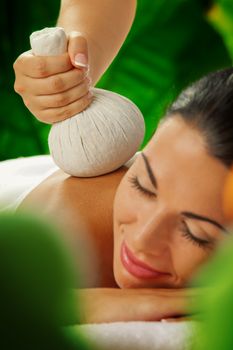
(78, 50)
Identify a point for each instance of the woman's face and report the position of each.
(168, 210)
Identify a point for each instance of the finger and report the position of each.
(64, 98)
(182, 292)
(167, 306)
(54, 84)
(42, 66)
(78, 50)
(176, 319)
(54, 115)
(19, 85)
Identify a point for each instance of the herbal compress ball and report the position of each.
(101, 138)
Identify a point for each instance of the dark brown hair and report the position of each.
(208, 106)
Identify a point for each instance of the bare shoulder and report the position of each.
(81, 205)
(82, 195)
(74, 202)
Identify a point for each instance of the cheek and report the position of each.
(187, 260)
(125, 203)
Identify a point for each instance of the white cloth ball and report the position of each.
(100, 139)
(49, 42)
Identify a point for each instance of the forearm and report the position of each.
(101, 305)
(105, 24)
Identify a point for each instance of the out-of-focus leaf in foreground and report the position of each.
(37, 301)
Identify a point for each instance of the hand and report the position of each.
(112, 305)
(177, 319)
(54, 88)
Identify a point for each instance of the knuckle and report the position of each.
(82, 103)
(65, 114)
(57, 84)
(85, 85)
(75, 34)
(40, 67)
(81, 75)
(17, 62)
(26, 102)
(18, 88)
(88, 81)
(15, 65)
(81, 39)
(61, 100)
(45, 117)
(86, 91)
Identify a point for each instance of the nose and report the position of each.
(153, 234)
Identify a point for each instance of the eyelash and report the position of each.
(196, 241)
(135, 184)
(185, 230)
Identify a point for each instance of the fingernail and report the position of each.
(81, 60)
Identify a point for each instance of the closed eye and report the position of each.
(136, 184)
(202, 243)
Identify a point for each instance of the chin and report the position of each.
(120, 277)
(121, 280)
(125, 283)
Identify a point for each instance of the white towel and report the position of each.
(20, 176)
(139, 335)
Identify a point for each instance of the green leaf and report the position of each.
(171, 43)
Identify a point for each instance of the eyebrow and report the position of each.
(185, 213)
(149, 171)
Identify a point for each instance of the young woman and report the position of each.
(155, 224)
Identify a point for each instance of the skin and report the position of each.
(109, 210)
(188, 180)
(83, 209)
(55, 88)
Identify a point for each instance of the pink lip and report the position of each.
(136, 267)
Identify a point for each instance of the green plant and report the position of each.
(171, 43)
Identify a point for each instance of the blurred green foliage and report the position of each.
(37, 300)
(171, 43)
(215, 304)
